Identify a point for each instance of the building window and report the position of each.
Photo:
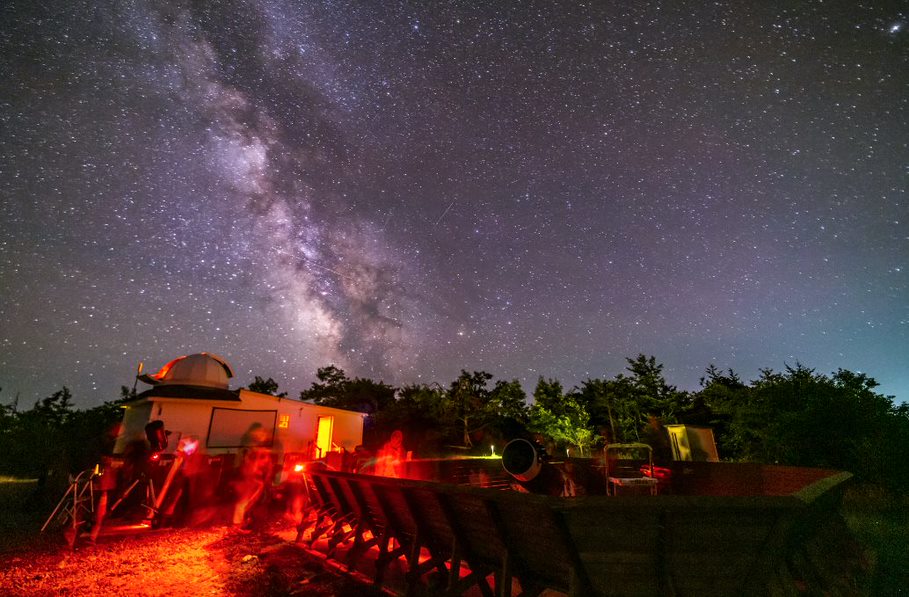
(284, 421)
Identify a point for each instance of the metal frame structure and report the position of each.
(76, 508)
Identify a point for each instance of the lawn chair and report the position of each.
(623, 469)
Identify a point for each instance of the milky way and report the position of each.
(410, 189)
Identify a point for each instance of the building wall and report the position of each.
(185, 417)
(182, 418)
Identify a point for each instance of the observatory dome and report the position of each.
(203, 369)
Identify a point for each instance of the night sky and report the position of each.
(410, 189)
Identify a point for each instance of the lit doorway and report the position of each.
(323, 436)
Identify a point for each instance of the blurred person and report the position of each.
(105, 480)
(254, 474)
(193, 507)
(391, 456)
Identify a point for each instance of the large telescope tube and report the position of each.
(526, 462)
(522, 460)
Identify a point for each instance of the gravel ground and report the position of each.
(188, 561)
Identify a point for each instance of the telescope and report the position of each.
(157, 436)
(528, 463)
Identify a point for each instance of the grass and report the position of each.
(20, 518)
(880, 521)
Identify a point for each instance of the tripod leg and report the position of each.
(60, 506)
(125, 495)
(100, 513)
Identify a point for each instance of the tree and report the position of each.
(655, 397)
(337, 390)
(560, 417)
(509, 401)
(40, 440)
(419, 411)
(266, 386)
(509, 415)
(609, 404)
(469, 403)
(803, 418)
(330, 385)
(721, 395)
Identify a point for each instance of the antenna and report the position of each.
(139, 369)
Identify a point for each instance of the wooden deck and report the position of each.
(785, 538)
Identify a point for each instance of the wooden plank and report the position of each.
(579, 579)
(478, 529)
(535, 542)
(326, 513)
(769, 556)
(480, 567)
(344, 514)
(428, 514)
(714, 564)
(363, 522)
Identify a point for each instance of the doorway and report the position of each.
(323, 435)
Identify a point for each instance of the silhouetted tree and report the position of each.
(52, 440)
(420, 412)
(337, 390)
(469, 403)
(266, 386)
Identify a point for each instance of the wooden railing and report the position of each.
(408, 535)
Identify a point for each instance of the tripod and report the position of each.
(154, 500)
(148, 503)
(76, 506)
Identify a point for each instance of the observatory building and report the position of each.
(191, 396)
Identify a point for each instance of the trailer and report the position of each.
(185, 445)
(191, 399)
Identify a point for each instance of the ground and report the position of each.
(215, 560)
(189, 561)
(203, 560)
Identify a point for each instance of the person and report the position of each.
(364, 461)
(656, 435)
(569, 487)
(133, 477)
(105, 480)
(390, 457)
(193, 495)
(255, 473)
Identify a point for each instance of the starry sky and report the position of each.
(408, 189)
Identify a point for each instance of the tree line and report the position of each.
(796, 416)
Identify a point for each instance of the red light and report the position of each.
(188, 446)
(155, 457)
(657, 472)
(298, 468)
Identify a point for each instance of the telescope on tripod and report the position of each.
(84, 505)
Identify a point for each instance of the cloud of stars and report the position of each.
(407, 191)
